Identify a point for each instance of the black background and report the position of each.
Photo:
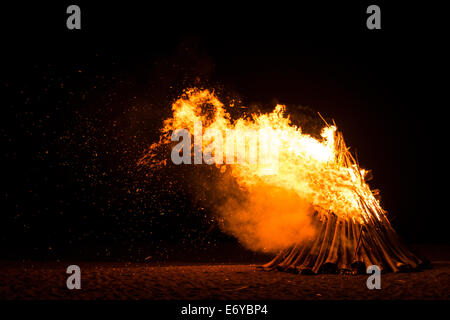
(81, 106)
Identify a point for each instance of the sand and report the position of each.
(47, 280)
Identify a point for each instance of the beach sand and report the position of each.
(99, 280)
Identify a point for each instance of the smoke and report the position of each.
(265, 218)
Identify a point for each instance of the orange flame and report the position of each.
(308, 175)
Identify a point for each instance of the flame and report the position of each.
(319, 175)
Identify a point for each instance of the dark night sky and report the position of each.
(81, 106)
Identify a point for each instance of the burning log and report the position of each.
(343, 247)
(349, 245)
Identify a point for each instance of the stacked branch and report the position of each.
(349, 245)
(344, 246)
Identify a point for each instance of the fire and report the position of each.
(299, 175)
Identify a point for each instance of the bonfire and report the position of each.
(305, 198)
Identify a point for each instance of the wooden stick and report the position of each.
(359, 242)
